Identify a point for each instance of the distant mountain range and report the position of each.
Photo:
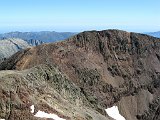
(154, 34)
(36, 38)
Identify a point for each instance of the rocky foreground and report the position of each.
(80, 77)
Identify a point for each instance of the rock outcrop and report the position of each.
(34, 42)
(108, 68)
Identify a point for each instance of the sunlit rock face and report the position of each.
(80, 77)
(10, 46)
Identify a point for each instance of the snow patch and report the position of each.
(32, 109)
(114, 113)
(42, 114)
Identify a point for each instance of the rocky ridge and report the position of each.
(48, 90)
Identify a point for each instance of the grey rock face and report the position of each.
(10, 46)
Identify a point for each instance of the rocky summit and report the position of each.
(79, 78)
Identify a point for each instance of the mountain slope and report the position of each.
(43, 36)
(109, 67)
(10, 46)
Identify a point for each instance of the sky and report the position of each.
(79, 15)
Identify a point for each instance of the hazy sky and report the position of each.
(79, 15)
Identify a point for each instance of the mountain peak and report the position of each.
(103, 43)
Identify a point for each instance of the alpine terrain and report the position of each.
(77, 79)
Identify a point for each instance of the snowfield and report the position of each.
(42, 114)
(114, 113)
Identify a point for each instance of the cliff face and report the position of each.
(108, 67)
